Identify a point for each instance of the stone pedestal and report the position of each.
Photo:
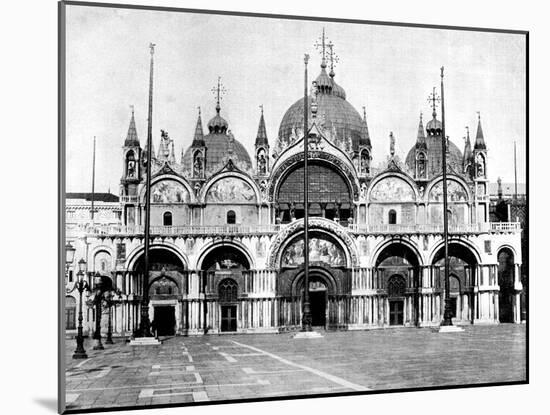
(307, 335)
(145, 341)
(450, 329)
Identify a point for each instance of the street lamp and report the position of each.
(110, 300)
(80, 285)
(69, 257)
(98, 288)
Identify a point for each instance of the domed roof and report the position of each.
(434, 156)
(220, 147)
(334, 114)
(434, 124)
(217, 124)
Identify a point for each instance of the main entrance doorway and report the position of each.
(229, 318)
(165, 320)
(396, 312)
(318, 302)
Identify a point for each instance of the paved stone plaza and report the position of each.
(221, 367)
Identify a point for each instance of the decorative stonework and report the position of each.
(313, 155)
(314, 223)
(392, 189)
(169, 191)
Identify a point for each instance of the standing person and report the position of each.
(154, 328)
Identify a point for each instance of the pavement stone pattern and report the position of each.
(225, 367)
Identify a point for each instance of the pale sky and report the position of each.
(391, 70)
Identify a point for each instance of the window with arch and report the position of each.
(167, 219)
(392, 217)
(130, 165)
(228, 290)
(231, 217)
(396, 286)
(102, 262)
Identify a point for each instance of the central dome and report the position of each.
(336, 115)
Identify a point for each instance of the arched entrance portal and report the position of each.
(506, 284)
(320, 286)
(228, 294)
(397, 270)
(397, 286)
(462, 265)
(224, 268)
(166, 277)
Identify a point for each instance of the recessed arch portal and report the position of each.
(159, 258)
(506, 277)
(462, 264)
(397, 270)
(224, 257)
(137, 255)
(405, 255)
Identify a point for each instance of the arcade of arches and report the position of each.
(226, 293)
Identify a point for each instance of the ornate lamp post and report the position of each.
(81, 284)
(98, 288)
(109, 297)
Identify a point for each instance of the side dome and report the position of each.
(221, 146)
(434, 156)
(334, 114)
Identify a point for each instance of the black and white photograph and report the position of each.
(264, 207)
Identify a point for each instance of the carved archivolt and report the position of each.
(314, 224)
(313, 155)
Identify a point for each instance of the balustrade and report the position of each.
(102, 229)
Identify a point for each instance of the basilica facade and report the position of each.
(227, 229)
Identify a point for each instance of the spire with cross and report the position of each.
(219, 91)
(333, 58)
(434, 99)
(321, 44)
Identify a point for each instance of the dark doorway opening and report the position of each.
(318, 304)
(506, 284)
(396, 312)
(165, 320)
(229, 318)
(453, 302)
